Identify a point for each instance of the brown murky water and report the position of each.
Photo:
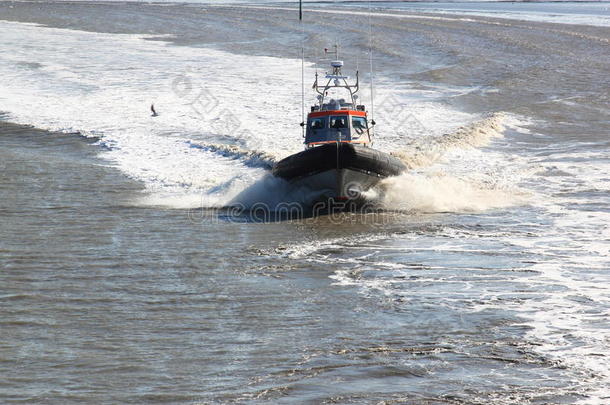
(484, 281)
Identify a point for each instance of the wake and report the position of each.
(427, 151)
(248, 157)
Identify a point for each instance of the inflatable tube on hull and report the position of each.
(338, 170)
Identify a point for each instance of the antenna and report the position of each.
(302, 68)
(371, 62)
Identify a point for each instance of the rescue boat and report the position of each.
(338, 161)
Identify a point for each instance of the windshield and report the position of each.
(317, 123)
(338, 122)
(359, 124)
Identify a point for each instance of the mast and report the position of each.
(371, 64)
(336, 79)
(302, 68)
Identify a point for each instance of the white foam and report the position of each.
(441, 192)
(217, 130)
(203, 96)
(425, 151)
(450, 174)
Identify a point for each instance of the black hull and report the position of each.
(342, 171)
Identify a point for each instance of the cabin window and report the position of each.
(359, 124)
(338, 122)
(317, 123)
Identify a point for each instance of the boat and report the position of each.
(338, 162)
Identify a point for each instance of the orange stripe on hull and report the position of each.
(337, 112)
